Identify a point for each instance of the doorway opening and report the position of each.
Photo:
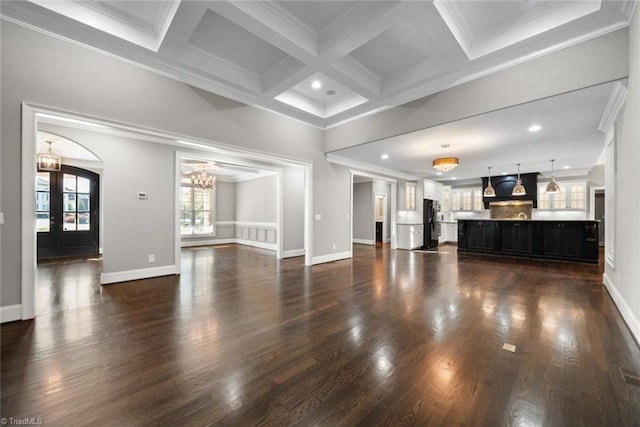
(373, 207)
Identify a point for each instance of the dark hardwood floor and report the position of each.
(387, 338)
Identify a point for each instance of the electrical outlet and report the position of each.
(334, 246)
(152, 258)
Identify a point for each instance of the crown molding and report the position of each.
(614, 105)
(366, 167)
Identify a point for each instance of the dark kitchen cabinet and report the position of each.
(462, 235)
(516, 237)
(562, 239)
(482, 236)
(555, 240)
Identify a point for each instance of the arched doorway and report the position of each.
(67, 203)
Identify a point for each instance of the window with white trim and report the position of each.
(197, 208)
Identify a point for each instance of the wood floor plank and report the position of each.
(386, 338)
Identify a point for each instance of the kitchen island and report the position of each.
(544, 239)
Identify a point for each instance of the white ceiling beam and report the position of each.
(270, 25)
(183, 26)
(284, 75)
(354, 76)
(358, 26)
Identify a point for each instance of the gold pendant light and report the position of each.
(445, 164)
(518, 189)
(489, 191)
(553, 186)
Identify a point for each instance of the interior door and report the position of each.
(67, 213)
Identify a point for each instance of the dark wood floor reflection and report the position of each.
(387, 338)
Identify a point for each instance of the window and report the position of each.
(196, 208)
(410, 196)
(75, 203)
(43, 201)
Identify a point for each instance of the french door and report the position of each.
(67, 213)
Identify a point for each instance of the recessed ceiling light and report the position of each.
(438, 173)
(453, 178)
(535, 128)
(384, 156)
(316, 84)
(566, 167)
(504, 173)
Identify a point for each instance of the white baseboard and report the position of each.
(293, 253)
(256, 244)
(10, 313)
(143, 273)
(364, 241)
(201, 242)
(625, 311)
(330, 257)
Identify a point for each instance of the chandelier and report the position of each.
(445, 164)
(47, 161)
(203, 180)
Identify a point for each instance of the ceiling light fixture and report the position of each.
(518, 189)
(445, 164)
(566, 167)
(47, 161)
(316, 84)
(489, 191)
(535, 128)
(553, 186)
(384, 156)
(203, 179)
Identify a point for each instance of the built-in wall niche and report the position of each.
(410, 196)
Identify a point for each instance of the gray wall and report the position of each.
(293, 209)
(624, 277)
(256, 200)
(363, 220)
(225, 201)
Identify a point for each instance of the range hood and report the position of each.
(503, 184)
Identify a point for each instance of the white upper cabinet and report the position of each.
(466, 199)
(572, 196)
(432, 190)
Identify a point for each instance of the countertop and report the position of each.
(532, 220)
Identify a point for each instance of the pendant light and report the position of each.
(47, 161)
(553, 186)
(445, 164)
(518, 189)
(489, 191)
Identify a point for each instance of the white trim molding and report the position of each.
(614, 105)
(331, 257)
(258, 244)
(142, 273)
(364, 241)
(10, 313)
(293, 253)
(625, 311)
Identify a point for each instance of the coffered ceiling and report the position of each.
(323, 62)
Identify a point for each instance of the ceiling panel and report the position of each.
(225, 40)
(400, 46)
(317, 14)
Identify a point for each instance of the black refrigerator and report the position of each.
(431, 224)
